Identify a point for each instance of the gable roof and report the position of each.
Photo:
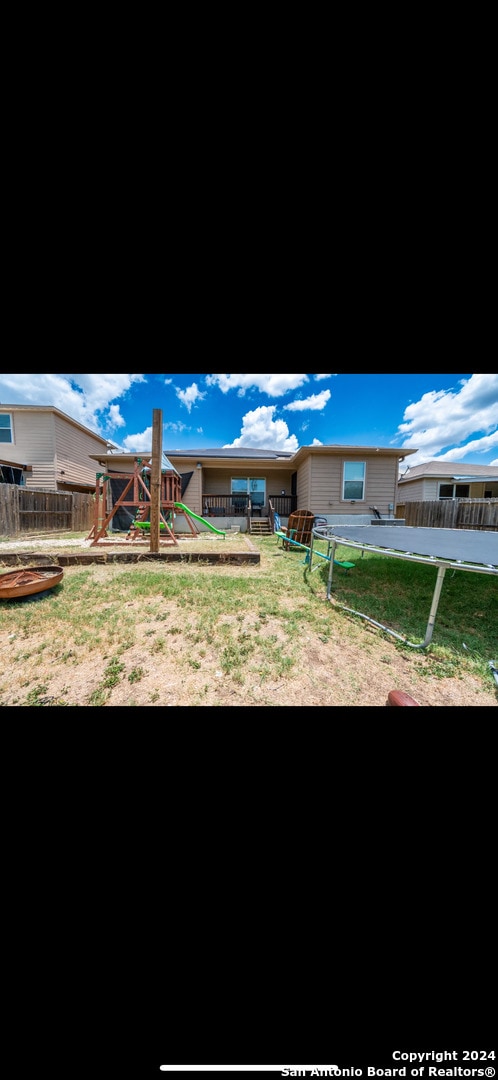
(338, 450)
(449, 470)
(243, 452)
(263, 457)
(58, 412)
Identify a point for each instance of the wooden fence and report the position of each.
(451, 514)
(24, 512)
(33, 512)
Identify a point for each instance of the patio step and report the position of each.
(260, 527)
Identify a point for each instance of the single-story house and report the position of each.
(447, 480)
(236, 485)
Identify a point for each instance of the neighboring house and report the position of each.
(45, 450)
(447, 480)
(330, 481)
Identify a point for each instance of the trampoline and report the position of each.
(447, 549)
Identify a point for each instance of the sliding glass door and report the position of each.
(255, 487)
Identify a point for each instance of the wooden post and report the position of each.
(155, 478)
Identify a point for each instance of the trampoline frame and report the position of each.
(333, 538)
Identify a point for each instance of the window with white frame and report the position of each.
(5, 428)
(353, 482)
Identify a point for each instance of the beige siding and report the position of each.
(431, 489)
(318, 481)
(213, 480)
(427, 490)
(114, 462)
(73, 448)
(218, 481)
(381, 478)
(277, 480)
(34, 444)
(412, 491)
(192, 496)
(477, 490)
(50, 444)
(304, 484)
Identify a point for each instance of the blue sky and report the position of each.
(448, 417)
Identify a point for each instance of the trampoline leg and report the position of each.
(435, 601)
(332, 550)
(432, 617)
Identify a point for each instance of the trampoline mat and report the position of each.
(456, 545)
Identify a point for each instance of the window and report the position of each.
(454, 491)
(5, 428)
(11, 475)
(354, 481)
(253, 486)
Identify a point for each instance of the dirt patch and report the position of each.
(163, 669)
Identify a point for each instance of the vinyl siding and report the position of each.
(34, 444)
(73, 448)
(210, 480)
(49, 443)
(318, 480)
(427, 490)
(303, 487)
(477, 490)
(413, 491)
(431, 489)
(219, 481)
(325, 485)
(192, 496)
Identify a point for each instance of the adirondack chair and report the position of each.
(299, 528)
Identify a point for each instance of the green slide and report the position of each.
(180, 506)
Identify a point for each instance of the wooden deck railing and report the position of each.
(238, 505)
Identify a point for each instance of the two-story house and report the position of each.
(45, 450)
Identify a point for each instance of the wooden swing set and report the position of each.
(136, 494)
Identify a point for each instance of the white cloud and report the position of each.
(261, 432)
(135, 444)
(316, 402)
(86, 398)
(318, 378)
(472, 448)
(191, 396)
(115, 418)
(272, 385)
(441, 422)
